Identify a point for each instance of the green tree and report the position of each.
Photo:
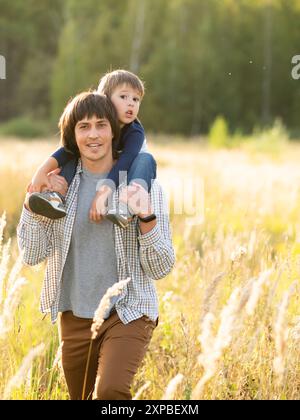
(90, 44)
(28, 39)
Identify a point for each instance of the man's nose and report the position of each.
(94, 132)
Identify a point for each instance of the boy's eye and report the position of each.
(136, 99)
(123, 96)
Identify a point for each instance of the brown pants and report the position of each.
(116, 355)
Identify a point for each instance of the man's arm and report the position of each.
(59, 158)
(34, 232)
(34, 237)
(157, 254)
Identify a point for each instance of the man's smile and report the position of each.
(94, 145)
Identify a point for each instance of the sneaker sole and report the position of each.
(116, 221)
(42, 207)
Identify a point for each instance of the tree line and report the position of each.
(198, 58)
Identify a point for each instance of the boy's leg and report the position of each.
(142, 171)
(68, 171)
(50, 203)
(121, 353)
(143, 168)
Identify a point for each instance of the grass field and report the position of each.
(229, 311)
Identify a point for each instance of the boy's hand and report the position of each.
(99, 205)
(40, 182)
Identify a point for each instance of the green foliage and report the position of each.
(29, 33)
(199, 58)
(218, 134)
(89, 46)
(276, 135)
(26, 127)
(272, 140)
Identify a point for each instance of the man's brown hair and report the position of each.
(87, 105)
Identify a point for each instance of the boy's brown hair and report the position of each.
(110, 81)
(86, 105)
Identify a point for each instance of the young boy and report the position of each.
(126, 91)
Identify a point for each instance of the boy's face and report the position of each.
(94, 138)
(127, 103)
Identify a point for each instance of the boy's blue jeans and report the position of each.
(141, 171)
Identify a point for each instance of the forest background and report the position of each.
(199, 59)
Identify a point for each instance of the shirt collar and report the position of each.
(79, 167)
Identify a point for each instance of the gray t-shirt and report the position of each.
(91, 265)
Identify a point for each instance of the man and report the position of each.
(84, 259)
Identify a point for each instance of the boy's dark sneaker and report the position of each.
(48, 204)
(119, 216)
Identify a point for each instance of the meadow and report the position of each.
(229, 323)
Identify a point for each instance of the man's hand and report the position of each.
(137, 199)
(39, 182)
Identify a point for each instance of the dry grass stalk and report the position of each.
(281, 334)
(209, 292)
(2, 226)
(10, 304)
(17, 380)
(172, 387)
(57, 358)
(4, 255)
(213, 346)
(105, 304)
(10, 292)
(257, 286)
(236, 255)
(141, 390)
(4, 259)
(15, 271)
(231, 320)
(295, 331)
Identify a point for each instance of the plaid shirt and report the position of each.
(143, 258)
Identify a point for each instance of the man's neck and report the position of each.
(97, 166)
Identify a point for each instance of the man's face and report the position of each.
(127, 103)
(94, 138)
